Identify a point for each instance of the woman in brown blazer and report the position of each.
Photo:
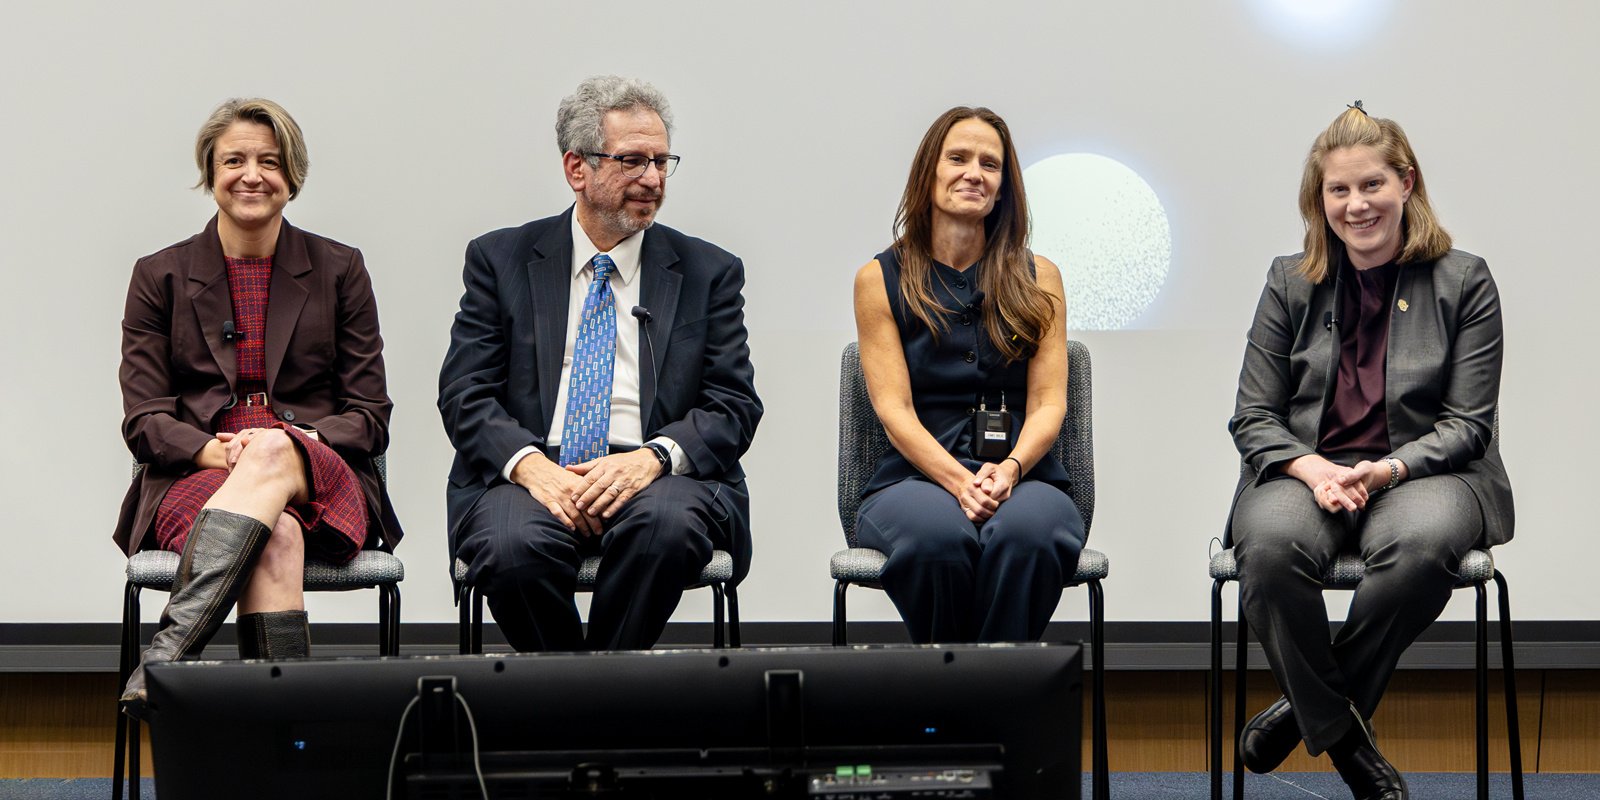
(254, 395)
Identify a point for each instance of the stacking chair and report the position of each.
(717, 576)
(862, 440)
(156, 569)
(1476, 570)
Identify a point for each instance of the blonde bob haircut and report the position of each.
(1424, 238)
(291, 143)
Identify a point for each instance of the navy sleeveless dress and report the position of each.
(950, 578)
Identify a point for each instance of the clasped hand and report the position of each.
(223, 452)
(582, 496)
(990, 486)
(1338, 488)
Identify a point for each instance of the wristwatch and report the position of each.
(1394, 473)
(662, 456)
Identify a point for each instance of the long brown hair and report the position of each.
(1425, 238)
(1020, 309)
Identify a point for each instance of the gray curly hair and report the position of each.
(579, 120)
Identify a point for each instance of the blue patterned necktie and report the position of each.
(587, 424)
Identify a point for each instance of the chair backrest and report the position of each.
(862, 439)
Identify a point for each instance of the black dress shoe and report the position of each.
(1269, 738)
(1368, 774)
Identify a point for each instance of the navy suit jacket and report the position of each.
(498, 386)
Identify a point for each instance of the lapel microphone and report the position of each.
(645, 317)
(1330, 319)
(228, 334)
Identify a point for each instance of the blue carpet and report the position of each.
(1124, 785)
(1311, 785)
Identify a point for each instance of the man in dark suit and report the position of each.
(599, 393)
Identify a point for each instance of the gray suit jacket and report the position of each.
(1442, 378)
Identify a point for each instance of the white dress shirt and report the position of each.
(627, 429)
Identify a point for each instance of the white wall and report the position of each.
(430, 123)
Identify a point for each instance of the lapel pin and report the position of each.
(1403, 304)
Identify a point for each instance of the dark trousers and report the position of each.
(954, 580)
(1412, 538)
(526, 564)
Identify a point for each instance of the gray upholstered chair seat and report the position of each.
(1346, 571)
(720, 570)
(155, 569)
(863, 565)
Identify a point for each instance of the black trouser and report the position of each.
(954, 580)
(525, 563)
(1412, 538)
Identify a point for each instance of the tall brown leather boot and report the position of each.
(221, 548)
(274, 634)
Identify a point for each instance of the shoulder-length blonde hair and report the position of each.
(292, 143)
(1424, 238)
(1021, 311)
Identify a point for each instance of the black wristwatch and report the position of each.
(662, 456)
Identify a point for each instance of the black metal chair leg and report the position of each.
(839, 622)
(1509, 666)
(1214, 728)
(1481, 713)
(1241, 674)
(732, 592)
(477, 620)
(127, 647)
(464, 612)
(135, 728)
(1097, 640)
(135, 731)
(393, 648)
(717, 621)
(383, 620)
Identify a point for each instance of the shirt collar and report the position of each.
(625, 255)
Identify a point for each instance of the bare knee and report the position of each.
(273, 458)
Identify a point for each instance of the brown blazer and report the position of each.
(324, 365)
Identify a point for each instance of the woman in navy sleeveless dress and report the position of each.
(955, 319)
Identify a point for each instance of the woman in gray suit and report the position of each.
(1365, 419)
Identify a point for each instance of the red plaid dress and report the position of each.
(335, 518)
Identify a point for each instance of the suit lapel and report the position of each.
(1417, 327)
(213, 305)
(658, 291)
(291, 277)
(549, 287)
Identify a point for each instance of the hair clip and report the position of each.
(1357, 106)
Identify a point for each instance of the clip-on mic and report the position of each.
(645, 317)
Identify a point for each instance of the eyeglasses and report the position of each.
(633, 166)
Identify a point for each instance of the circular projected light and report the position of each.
(1105, 227)
(1320, 22)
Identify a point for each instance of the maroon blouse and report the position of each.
(1356, 421)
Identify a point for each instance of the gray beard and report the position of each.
(621, 220)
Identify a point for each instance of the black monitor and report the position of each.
(841, 723)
